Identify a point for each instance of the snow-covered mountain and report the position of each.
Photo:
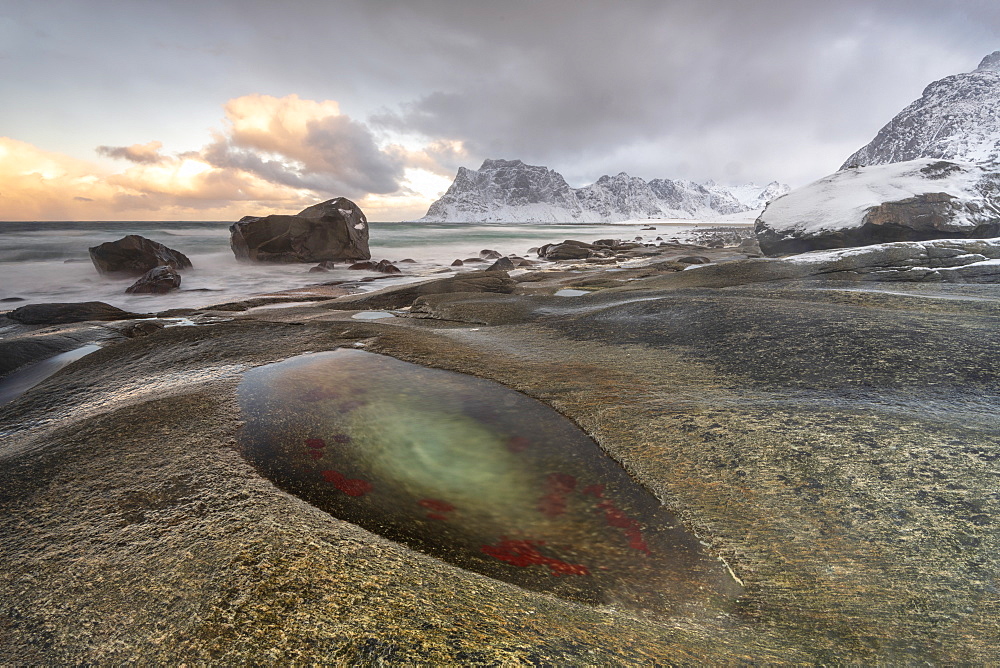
(956, 118)
(511, 191)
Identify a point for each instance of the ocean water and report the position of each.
(43, 262)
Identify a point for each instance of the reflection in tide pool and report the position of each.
(476, 474)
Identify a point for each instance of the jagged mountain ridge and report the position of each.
(956, 118)
(511, 191)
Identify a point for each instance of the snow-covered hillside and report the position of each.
(956, 118)
(511, 191)
(913, 200)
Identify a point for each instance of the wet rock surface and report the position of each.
(832, 437)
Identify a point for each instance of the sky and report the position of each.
(212, 110)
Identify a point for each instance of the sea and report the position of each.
(45, 262)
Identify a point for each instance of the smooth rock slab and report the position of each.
(475, 474)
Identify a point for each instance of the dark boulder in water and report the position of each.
(158, 280)
(333, 230)
(564, 251)
(386, 267)
(322, 267)
(382, 266)
(60, 313)
(135, 255)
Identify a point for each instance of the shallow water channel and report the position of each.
(473, 473)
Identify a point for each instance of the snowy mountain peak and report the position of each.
(511, 191)
(490, 164)
(990, 62)
(956, 118)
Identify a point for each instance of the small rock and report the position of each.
(694, 259)
(490, 254)
(408, 260)
(363, 266)
(502, 264)
(386, 267)
(12, 299)
(324, 266)
(564, 251)
(157, 280)
(457, 263)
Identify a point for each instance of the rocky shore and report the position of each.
(825, 424)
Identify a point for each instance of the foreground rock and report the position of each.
(135, 255)
(835, 442)
(335, 230)
(404, 295)
(908, 201)
(54, 314)
(158, 281)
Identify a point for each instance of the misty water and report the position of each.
(476, 474)
(48, 261)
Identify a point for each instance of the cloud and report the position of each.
(43, 185)
(304, 144)
(274, 155)
(141, 153)
(588, 89)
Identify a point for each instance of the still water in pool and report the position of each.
(473, 473)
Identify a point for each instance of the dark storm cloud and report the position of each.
(661, 85)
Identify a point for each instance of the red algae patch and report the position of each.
(476, 474)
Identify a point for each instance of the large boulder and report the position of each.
(333, 230)
(157, 280)
(916, 200)
(135, 255)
